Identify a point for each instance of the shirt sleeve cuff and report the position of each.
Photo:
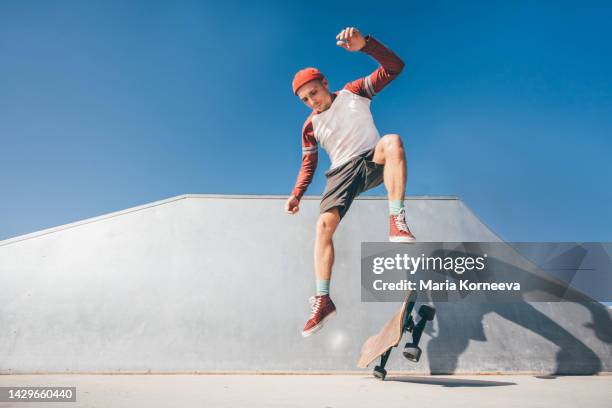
(369, 45)
(297, 193)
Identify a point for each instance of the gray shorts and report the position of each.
(347, 181)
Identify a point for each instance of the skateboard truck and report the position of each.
(412, 351)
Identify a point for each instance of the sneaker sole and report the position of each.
(402, 239)
(319, 326)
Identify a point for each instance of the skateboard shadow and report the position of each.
(448, 382)
(460, 322)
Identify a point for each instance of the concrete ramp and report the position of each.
(221, 283)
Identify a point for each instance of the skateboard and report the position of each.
(389, 337)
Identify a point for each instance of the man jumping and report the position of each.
(341, 122)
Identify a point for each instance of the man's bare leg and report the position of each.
(390, 152)
(324, 246)
(322, 306)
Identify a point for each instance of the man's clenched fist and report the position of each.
(292, 205)
(350, 39)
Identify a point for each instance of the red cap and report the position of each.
(304, 76)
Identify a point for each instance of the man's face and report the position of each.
(315, 95)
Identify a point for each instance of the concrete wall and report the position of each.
(205, 283)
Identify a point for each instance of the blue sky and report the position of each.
(108, 105)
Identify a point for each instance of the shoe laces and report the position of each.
(316, 304)
(400, 221)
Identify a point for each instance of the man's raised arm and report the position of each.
(390, 64)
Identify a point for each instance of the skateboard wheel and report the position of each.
(427, 312)
(412, 352)
(380, 373)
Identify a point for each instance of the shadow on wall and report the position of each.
(460, 322)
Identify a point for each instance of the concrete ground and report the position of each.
(184, 390)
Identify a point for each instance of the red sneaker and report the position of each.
(398, 230)
(323, 309)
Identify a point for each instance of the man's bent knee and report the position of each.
(327, 223)
(393, 147)
(392, 141)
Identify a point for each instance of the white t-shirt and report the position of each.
(346, 129)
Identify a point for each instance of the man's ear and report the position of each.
(325, 83)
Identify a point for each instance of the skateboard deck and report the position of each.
(388, 337)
